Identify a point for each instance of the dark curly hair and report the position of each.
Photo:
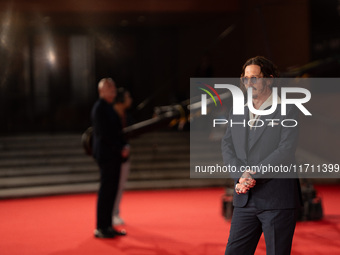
(268, 68)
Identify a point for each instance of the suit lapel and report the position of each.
(259, 131)
(240, 132)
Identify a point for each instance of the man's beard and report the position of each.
(259, 91)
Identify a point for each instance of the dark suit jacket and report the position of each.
(108, 139)
(273, 146)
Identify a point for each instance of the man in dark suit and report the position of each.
(109, 149)
(263, 202)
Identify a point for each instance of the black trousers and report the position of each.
(109, 181)
(248, 223)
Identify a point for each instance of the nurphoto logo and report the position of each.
(204, 98)
(238, 99)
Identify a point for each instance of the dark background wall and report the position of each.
(54, 53)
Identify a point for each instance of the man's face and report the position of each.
(109, 91)
(252, 73)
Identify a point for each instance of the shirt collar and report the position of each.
(266, 104)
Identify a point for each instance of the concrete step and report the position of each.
(35, 151)
(93, 187)
(65, 160)
(43, 170)
(32, 170)
(55, 179)
(45, 180)
(83, 159)
(74, 140)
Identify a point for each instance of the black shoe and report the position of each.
(108, 233)
(119, 232)
(100, 233)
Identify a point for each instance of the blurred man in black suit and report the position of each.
(109, 149)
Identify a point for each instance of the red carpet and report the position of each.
(175, 222)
